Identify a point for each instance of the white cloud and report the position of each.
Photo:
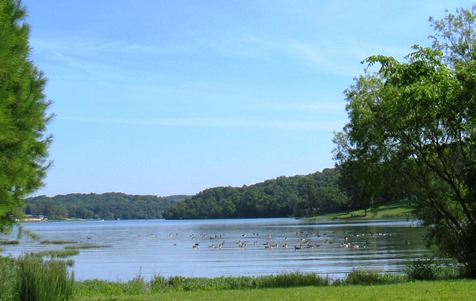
(313, 107)
(86, 47)
(342, 57)
(299, 125)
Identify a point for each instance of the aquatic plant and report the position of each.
(57, 242)
(41, 280)
(57, 253)
(86, 246)
(8, 242)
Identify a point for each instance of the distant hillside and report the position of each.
(101, 206)
(298, 196)
(308, 195)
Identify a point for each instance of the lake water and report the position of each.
(235, 247)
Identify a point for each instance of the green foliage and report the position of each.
(39, 280)
(285, 196)
(421, 270)
(364, 277)
(23, 116)
(455, 36)
(412, 136)
(100, 206)
(24, 232)
(430, 269)
(7, 279)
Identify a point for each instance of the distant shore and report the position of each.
(383, 212)
(33, 219)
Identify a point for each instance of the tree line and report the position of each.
(317, 193)
(106, 206)
(307, 195)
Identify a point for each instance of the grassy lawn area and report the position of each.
(421, 290)
(383, 212)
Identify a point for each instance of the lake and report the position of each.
(231, 247)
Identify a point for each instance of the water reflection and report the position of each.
(246, 247)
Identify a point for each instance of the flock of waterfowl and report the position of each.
(300, 241)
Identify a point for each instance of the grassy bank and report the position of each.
(271, 287)
(422, 290)
(382, 212)
(31, 278)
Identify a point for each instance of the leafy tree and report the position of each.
(23, 116)
(412, 135)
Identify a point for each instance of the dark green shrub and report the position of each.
(364, 277)
(421, 269)
(429, 269)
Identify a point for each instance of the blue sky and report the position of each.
(173, 97)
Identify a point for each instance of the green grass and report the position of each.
(7, 279)
(177, 283)
(267, 287)
(39, 280)
(422, 290)
(383, 212)
(159, 284)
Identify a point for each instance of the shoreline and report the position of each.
(397, 212)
